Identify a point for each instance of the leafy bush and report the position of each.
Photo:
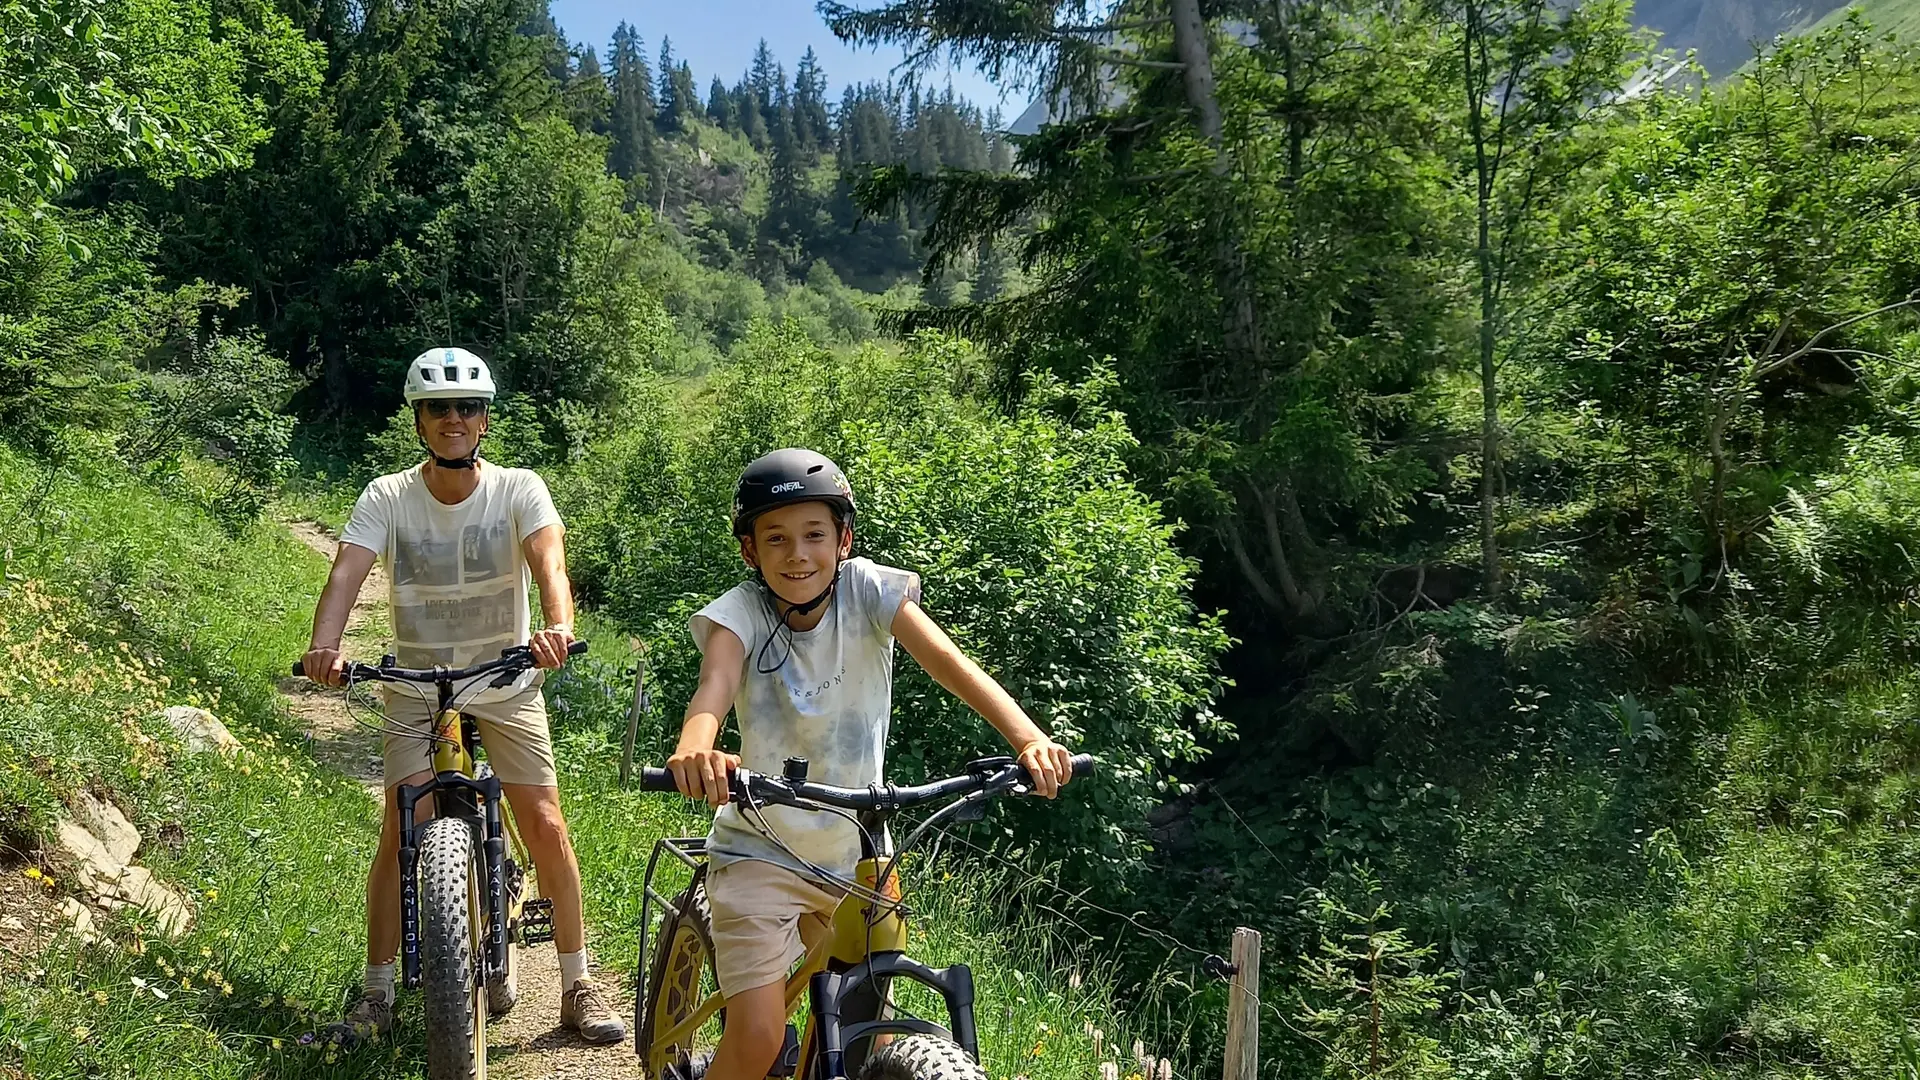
(1038, 555)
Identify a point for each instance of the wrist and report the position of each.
(562, 627)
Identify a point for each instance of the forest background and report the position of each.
(1452, 459)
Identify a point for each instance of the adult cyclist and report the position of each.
(461, 539)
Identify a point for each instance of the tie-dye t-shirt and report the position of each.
(457, 575)
(829, 703)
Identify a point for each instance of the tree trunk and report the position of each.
(1190, 46)
(1489, 418)
(1485, 169)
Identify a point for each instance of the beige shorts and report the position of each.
(514, 733)
(762, 915)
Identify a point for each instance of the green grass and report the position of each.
(1900, 17)
(272, 848)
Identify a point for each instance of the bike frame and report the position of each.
(846, 978)
(477, 799)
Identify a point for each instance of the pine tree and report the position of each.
(720, 105)
(812, 125)
(671, 103)
(631, 116)
(589, 98)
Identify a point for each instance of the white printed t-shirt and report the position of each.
(457, 577)
(829, 703)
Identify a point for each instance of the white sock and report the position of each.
(380, 977)
(573, 968)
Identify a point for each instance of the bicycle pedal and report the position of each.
(536, 921)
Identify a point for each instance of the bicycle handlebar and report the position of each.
(513, 657)
(997, 773)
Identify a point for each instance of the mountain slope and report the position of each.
(1896, 16)
(1725, 31)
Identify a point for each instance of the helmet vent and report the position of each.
(426, 374)
(453, 374)
(473, 373)
(815, 469)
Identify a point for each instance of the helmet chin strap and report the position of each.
(785, 617)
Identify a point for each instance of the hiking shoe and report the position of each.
(584, 1009)
(370, 1018)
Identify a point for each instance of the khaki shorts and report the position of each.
(514, 733)
(762, 914)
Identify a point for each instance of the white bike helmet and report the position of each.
(448, 373)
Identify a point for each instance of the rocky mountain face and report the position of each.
(1724, 31)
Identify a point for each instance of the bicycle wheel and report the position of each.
(451, 945)
(921, 1057)
(679, 979)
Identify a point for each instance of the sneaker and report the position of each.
(584, 1009)
(370, 1018)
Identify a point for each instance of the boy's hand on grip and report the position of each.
(1050, 765)
(702, 774)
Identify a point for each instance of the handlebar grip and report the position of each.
(578, 648)
(299, 668)
(1083, 765)
(657, 780)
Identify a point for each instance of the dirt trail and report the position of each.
(528, 1043)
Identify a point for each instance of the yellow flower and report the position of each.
(210, 894)
(81, 1033)
(276, 1044)
(33, 873)
(204, 951)
(100, 996)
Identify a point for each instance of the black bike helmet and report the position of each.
(789, 476)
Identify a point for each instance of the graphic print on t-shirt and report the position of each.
(458, 581)
(485, 551)
(422, 559)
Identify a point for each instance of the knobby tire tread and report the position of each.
(449, 969)
(921, 1057)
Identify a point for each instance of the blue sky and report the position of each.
(718, 37)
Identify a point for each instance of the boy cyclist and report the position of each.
(804, 657)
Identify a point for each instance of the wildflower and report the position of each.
(265, 1000)
(1166, 1069)
(100, 996)
(1109, 1071)
(211, 895)
(205, 951)
(33, 873)
(276, 1045)
(81, 1033)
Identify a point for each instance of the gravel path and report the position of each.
(528, 1043)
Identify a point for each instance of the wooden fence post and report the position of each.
(1243, 1009)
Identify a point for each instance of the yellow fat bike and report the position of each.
(465, 876)
(851, 1031)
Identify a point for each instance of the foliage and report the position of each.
(538, 256)
(173, 86)
(1364, 991)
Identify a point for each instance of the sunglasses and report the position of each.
(467, 407)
